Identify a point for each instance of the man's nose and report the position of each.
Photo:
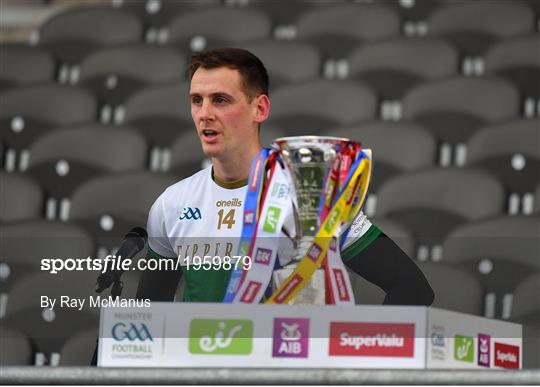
(205, 111)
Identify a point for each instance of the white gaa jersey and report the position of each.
(198, 217)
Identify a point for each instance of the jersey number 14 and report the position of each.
(228, 219)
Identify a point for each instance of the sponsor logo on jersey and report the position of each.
(291, 337)
(229, 203)
(291, 285)
(249, 217)
(263, 256)
(438, 344)
(271, 220)
(250, 292)
(464, 348)
(343, 293)
(220, 337)
(131, 332)
(371, 339)
(506, 356)
(314, 252)
(190, 214)
(484, 344)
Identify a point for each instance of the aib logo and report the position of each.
(291, 337)
(191, 214)
(131, 332)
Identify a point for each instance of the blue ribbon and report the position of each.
(251, 214)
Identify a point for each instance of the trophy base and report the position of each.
(314, 293)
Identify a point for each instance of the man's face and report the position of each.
(226, 121)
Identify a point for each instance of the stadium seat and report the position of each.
(29, 112)
(517, 61)
(159, 112)
(455, 289)
(335, 31)
(111, 75)
(393, 66)
(109, 206)
(47, 328)
(156, 14)
(526, 311)
(63, 159)
(25, 244)
(217, 27)
(22, 65)
(185, 155)
(22, 198)
(537, 199)
(16, 349)
(454, 108)
(269, 133)
(397, 148)
(475, 26)
(431, 203)
(500, 252)
(79, 348)
(510, 152)
(73, 34)
(286, 61)
(525, 305)
(311, 108)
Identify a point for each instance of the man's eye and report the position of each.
(220, 100)
(196, 100)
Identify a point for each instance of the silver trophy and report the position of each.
(309, 160)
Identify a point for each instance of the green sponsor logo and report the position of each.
(271, 220)
(464, 348)
(333, 217)
(220, 337)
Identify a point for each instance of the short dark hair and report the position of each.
(252, 70)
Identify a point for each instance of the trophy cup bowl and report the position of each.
(309, 160)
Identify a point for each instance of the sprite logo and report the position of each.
(220, 337)
(464, 348)
(271, 220)
(332, 218)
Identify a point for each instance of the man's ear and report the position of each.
(262, 108)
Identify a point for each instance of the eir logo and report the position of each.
(191, 214)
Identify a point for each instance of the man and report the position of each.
(229, 102)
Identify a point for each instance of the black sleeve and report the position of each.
(158, 285)
(387, 266)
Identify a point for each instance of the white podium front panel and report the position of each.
(261, 336)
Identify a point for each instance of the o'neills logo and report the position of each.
(256, 170)
(250, 292)
(506, 356)
(371, 339)
(343, 294)
(291, 285)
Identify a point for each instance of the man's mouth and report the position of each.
(209, 133)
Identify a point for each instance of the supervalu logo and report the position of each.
(371, 339)
(220, 337)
